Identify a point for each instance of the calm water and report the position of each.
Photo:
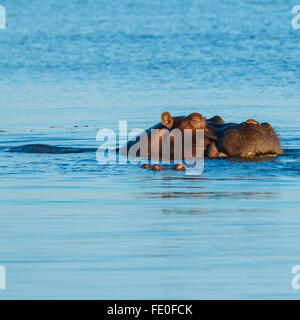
(71, 228)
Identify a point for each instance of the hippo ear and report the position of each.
(167, 120)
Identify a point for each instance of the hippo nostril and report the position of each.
(251, 121)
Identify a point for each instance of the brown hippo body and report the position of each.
(248, 139)
(245, 140)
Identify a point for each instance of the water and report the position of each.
(73, 229)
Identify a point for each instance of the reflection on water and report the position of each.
(212, 195)
(175, 211)
(205, 212)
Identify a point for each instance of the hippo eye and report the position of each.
(266, 125)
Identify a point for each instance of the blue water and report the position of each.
(71, 228)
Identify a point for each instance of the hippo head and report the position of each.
(188, 127)
(250, 139)
(193, 121)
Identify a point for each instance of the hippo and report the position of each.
(248, 139)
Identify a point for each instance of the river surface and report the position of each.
(71, 228)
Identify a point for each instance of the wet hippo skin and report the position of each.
(241, 140)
